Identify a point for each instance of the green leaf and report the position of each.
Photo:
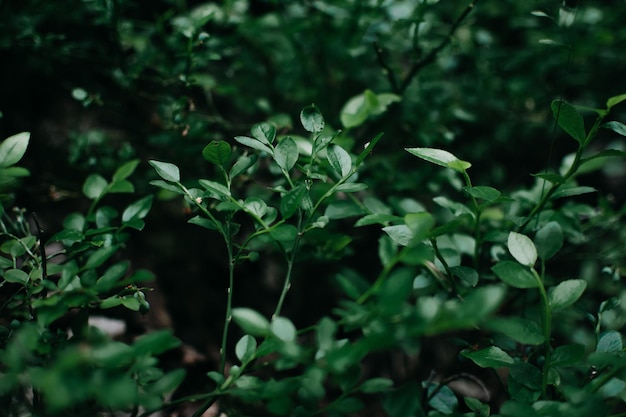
(615, 100)
(283, 328)
(420, 225)
(610, 341)
(100, 256)
(569, 120)
(479, 409)
(617, 127)
(215, 187)
(217, 152)
(256, 206)
(567, 355)
(286, 153)
(339, 160)
(167, 383)
(202, 222)
(264, 132)
(515, 275)
(246, 348)
(112, 276)
(243, 164)
(553, 178)
(94, 186)
(465, 274)
(572, 191)
(351, 187)
(375, 385)
(401, 234)
(254, 144)
(404, 401)
(312, 119)
(548, 240)
(169, 172)
(491, 357)
(369, 146)
(13, 148)
(342, 209)
(137, 210)
(440, 157)
(377, 218)
(16, 276)
(566, 293)
(125, 171)
(521, 330)
(121, 187)
(291, 200)
(285, 233)
(325, 334)
(251, 322)
(483, 192)
(522, 248)
(167, 186)
(444, 400)
(155, 343)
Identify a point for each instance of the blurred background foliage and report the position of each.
(100, 82)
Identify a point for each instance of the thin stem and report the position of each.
(443, 261)
(477, 214)
(229, 300)
(290, 262)
(547, 331)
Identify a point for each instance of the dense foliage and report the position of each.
(440, 233)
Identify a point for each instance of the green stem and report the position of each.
(291, 260)
(547, 331)
(443, 261)
(477, 214)
(229, 301)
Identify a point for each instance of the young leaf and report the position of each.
(615, 100)
(312, 119)
(245, 348)
(569, 120)
(522, 248)
(572, 191)
(491, 357)
(286, 153)
(264, 133)
(125, 171)
(283, 328)
(169, 172)
(419, 224)
(548, 240)
(94, 186)
(12, 149)
(254, 144)
(339, 160)
(369, 146)
(515, 275)
(566, 293)
(250, 321)
(483, 192)
(217, 152)
(440, 157)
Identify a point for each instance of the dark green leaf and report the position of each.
(254, 144)
(483, 192)
(264, 133)
(125, 171)
(491, 357)
(217, 152)
(285, 233)
(548, 240)
(343, 209)
(569, 120)
(202, 222)
(215, 187)
(13, 148)
(137, 210)
(465, 274)
(112, 276)
(291, 200)
(339, 160)
(351, 187)
(610, 341)
(572, 191)
(100, 256)
(420, 225)
(515, 275)
(553, 178)
(286, 153)
(369, 146)
(312, 119)
(169, 172)
(155, 343)
(168, 382)
(243, 164)
(567, 355)
(167, 186)
(403, 402)
(444, 400)
(521, 330)
(376, 385)
(121, 187)
(94, 186)
(566, 293)
(377, 218)
(15, 276)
